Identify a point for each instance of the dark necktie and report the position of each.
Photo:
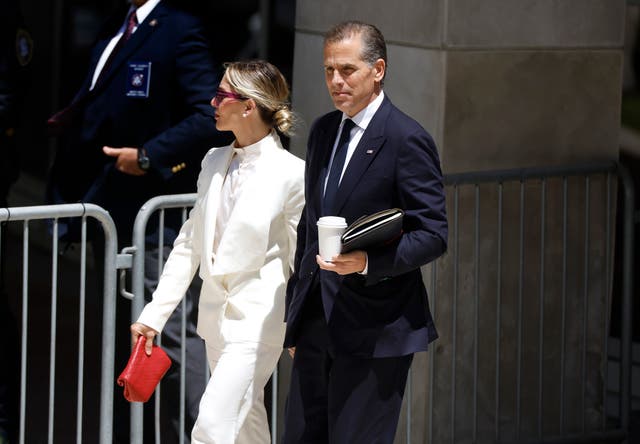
(333, 181)
(132, 22)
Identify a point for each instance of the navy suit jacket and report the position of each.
(174, 123)
(386, 312)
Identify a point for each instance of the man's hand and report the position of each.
(347, 263)
(137, 330)
(126, 159)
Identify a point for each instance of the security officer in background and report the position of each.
(15, 54)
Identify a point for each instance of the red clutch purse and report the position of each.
(143, 373)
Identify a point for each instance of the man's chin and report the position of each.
(341, 105)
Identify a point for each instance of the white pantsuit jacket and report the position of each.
(243, 290)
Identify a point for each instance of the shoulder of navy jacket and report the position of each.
(179, 167)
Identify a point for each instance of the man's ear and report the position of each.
(380, 67)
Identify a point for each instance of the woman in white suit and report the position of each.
(241, 233)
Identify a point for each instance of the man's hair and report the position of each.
(373, 44)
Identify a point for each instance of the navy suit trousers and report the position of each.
(337, 399)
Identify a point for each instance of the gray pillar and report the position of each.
(499, 84)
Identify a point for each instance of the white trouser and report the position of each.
(232, 407)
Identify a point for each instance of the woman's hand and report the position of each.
(137, 330)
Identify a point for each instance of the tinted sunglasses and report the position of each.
(221, 95)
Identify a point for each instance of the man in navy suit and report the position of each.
(139, 127)
(354, 323)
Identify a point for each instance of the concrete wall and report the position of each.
(499, 84)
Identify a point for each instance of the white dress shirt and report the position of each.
(242, 164)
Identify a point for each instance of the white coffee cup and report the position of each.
(330, 229)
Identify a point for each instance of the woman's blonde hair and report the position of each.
(264, 83)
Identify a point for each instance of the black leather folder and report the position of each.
(373, 230)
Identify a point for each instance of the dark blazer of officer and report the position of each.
(169, 117)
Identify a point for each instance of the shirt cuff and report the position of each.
(366, 265)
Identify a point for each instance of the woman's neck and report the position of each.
(251, 135)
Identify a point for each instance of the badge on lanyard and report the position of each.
(138, 79)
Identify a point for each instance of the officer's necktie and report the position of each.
(132, 22)
(337, 165)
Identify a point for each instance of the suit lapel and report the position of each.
(212, 201)
(370, 144)
(247, 229)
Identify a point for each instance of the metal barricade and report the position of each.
(522, 304)
(521, 300)
(60, 420)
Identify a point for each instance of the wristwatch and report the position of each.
(143, 160)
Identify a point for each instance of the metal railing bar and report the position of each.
(523, 174)
(431, 355)
(543, 216)
(627, 296)
(53, 332)
(454, 321)
(408, 392)
(607, 299)
(81, 328)
(519, 333)
(585, 284)
(476, 301)
(612, 436)
(158, 392)
(40, 212)
(108, 319)
(563, 332)
(274, 405)
(25, 313)
(498, 310)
